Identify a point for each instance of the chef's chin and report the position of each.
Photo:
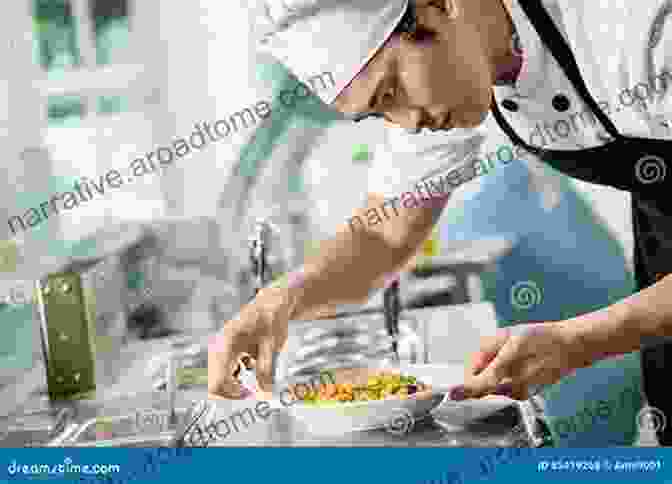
(470, 120)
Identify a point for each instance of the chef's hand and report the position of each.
(519, 357)
(259, 330)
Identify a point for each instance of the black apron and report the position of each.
(637, 165)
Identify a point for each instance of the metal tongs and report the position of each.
(245, 372)
(392, 311)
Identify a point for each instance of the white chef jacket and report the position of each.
(621, 47)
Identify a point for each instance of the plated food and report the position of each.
(356, 399)
(358, 385)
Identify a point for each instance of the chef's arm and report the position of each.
(623, 327)
(354, 262)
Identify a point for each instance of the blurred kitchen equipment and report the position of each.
(465, 261)
(79, 304)
(392, 310)
(453, 332)
(145, 317)
(350, 339)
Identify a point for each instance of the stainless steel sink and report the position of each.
(25, 437)
(141, 420)
(135, 430)
(35, 429)
(130, 442)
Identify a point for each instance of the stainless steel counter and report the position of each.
(502, 429)
(484, 423)
(446, 428)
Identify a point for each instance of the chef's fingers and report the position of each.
(488, 380)
(489, 348)
(222, 364)
(545, 371)
(222, 383)
(264, 364)
(521, 391)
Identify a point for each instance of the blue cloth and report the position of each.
(565, 263)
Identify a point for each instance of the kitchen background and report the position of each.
(89, 85)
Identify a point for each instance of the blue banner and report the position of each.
(326, 465)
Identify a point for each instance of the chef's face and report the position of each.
(439, 78)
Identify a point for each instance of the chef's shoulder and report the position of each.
(619, 44)
(612, 24)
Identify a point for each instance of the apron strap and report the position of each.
(511, 133)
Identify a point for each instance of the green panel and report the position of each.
(9, 257)
(71, 333)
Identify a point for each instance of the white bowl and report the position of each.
(394, 415)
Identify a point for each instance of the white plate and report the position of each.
(397, 416)
(451, 412)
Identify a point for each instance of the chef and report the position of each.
(582, 86)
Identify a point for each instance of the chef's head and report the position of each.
(417, 63)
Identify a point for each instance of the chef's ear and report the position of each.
(451, 7)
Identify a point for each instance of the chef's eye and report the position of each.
(367, 116)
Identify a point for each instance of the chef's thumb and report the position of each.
(265, 366)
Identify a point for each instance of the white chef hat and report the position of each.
(326, 43)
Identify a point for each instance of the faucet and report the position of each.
(259, 248)
(65, 426)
